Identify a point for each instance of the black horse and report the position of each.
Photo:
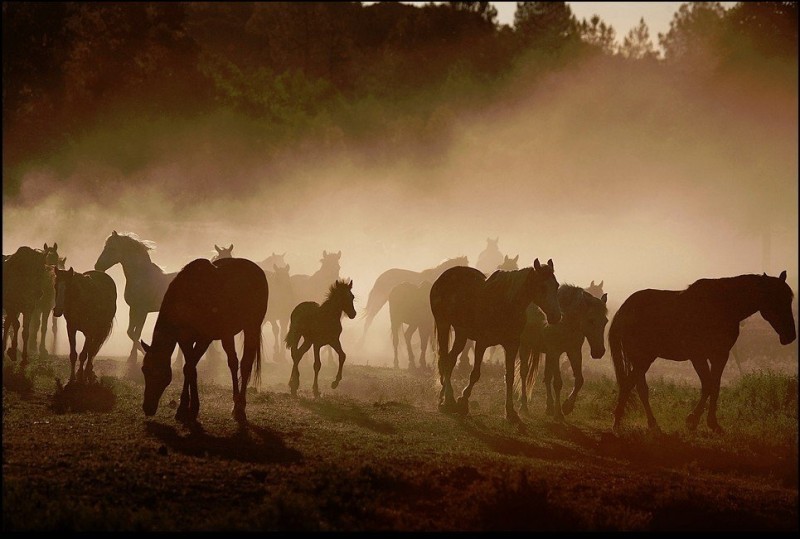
(699, 324)
(490, 312)
(88, 302)
(22, 289)
(207, 301)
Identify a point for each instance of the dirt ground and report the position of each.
(376, 454)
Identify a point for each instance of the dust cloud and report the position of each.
(634, 175)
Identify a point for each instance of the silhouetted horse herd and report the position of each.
(523, 310)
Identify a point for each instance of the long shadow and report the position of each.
(508, 445)
(349, 413)
(251, 444)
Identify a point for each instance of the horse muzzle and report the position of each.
(598, 353)
(57, 313)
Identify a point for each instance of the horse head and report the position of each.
(341, 296)
(62, 281)
(593, 322)
(330, 262)
(223, 252)
(157, 375)
(51, 255)
(776, 306)
(545, 290)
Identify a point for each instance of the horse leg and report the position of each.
(644, 395)
(625, 387)
(297, 355)
(342, 356)
(35, 323)
(317, 366)
(73, 353)
(276, 336)
(26, 320)
(82, 358)
(284, 329)
(576, 362)
(11, 325)
(511, 350)
(330, 358)
(717, 366)
(199, 349)
(135, 323)
(182, 413)
(408, 333)
(446, 373)
(550, 366)
(229, 346)
(45, 319)
(54, 332)
(249, 353)
(524, 362)
(92, 346)
(703, 371)
(555, 373)
(463, 401)
(395, 341)
(424, 335)
(463, 359)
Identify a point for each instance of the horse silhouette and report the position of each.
(318, 326)
(222, 252)
(490, 257)
(490, 312)
(595, 289)
(314, 287)
(281, 303)
(583, 317)
(699, 324)
(88, 302)
(390, 278)
(22, 287)
(44, 305)
(409, 304)
(509, 264)
(272, 260)
(207, 301)
(145, 282)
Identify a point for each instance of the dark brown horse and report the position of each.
(318, 326)
(699, 324)
(583, 318)
(44, 306)
(281, 303)
(490, 312)
(22, 288)
(206, 302)
(410, 304)
(88, 302)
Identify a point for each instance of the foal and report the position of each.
(319, 325)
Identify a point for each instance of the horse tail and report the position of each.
(292, 336)
(533, 371)
(622, 366)
(103, 335)
(259, 346)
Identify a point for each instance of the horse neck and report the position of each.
(136, 265)
(164, 336)
(331, 309)
(742, 294)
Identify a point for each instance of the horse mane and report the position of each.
(131, 238)
(569, 295)
(339, 283)
(508, 283)
(447, 261)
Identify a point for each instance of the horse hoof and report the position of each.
(513, 418)
(182, 415)
(568, 407)
(447, 407)
(334, 384)
(462, 406)
(716, 428)
(239, 415)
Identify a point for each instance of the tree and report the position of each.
(596, 33)
(485, 9)
(545, 25)
(694, 34)
(637, 45)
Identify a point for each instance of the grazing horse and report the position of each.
(409, 304)
(488, 311)
(319, 325)
(390, 278)
(44, 306)
(699, 324)
(222, 252)
(22, 288)
(88, 302)
(280, 306)
(490, 257)
(207, 301)
(595, 289)
(583, 317)
(145, 282)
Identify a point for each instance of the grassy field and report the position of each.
(375, 454)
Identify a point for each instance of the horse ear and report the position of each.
(55, 246)
(71, 271)
(536, 264)
(604, 299)
(231, 247)
(516, 258)
(601, 284)
(350, 284)
(45, 246)
(764, 274)
(284, 254)
(782, 276)
(338, 255)
(145, 346)
(592, 283)
(217, 248)
(114, 233)
(324, 253)
(550, 262)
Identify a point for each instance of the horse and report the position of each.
(313, 287)
(488, 311)
(595, 289)
(319, 325)
(222, 252)
(272, 260)
(490, 257)
(145, 282)
(280, 306)
(698, 324)
(88, 302)
(409, 304)
(22, 288)
(583, 317)
(508, 264)
(44, 305)
(390, 278)
(207, 301)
